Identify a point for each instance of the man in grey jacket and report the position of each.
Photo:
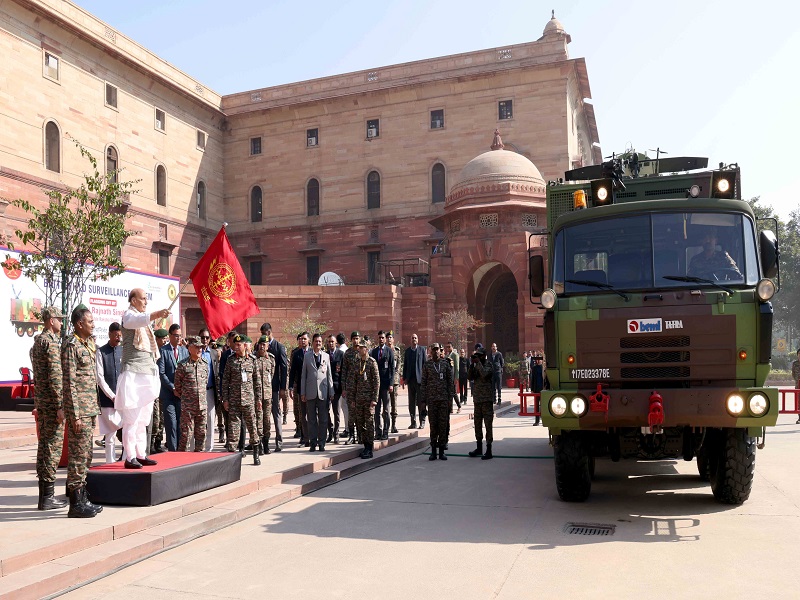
(316, 391)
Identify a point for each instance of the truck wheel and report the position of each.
(702, 465)
(732, 479)
(573, 478)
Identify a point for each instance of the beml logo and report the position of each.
(644, 326)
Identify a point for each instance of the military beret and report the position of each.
(238, 338)
(355, 334)
(263, 340)
(51, 312)
(247, 339)
(161, 333)
(193, 340)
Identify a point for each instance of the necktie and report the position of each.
(380, 354)
(176, 352)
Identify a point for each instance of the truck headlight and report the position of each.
(735, 404)
(548, 299)
(758, 404)
(558, 406)
(578, 406)
(766, 289)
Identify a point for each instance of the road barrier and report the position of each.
(523, 403)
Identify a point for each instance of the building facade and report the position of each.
(368, 179)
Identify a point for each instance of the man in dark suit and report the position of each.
(337, 356)
(295, 372)
(498, 363)
(384, 356)
(316, 392)
(413, 359)
(278, 352)
(171, 354)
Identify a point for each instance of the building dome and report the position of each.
(554, 28)
(498, 166)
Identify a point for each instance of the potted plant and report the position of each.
(513, 362)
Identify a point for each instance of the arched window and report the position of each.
(112, 162)
(255, 205)
(161, 185)
(437, 183)
(312, 197)
(201, 199)
(373, 190)
(52, 147)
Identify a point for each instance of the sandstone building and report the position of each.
(382, 177)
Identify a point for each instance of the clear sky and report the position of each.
(715, 78)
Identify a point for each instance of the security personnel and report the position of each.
(395, 379)
(191, 382)
(46, 361)
(265, 364)
(80, 408)
(348, 365)
(480, 373)
(436, 390)
(157, 424)
(239, 381)
(363, 389)
(384, 357)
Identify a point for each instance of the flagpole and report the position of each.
(175, 299)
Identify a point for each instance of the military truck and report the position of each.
(657, 322)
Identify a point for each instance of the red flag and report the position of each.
(222, 289)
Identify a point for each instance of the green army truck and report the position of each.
(658, 321)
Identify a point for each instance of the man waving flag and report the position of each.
(222, 289)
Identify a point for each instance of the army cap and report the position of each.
(355, 334)
(263, 340)
(238, 338)
(51, 312)
(362, 344)
(247, 339)
(221, 340)
(193, 340)
(161, 333)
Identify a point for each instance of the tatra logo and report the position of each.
(221, 281)
(644, 326)
(673, 324)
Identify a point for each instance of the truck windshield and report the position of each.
(656, 251)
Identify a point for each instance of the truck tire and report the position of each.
(573, 478)
(702, 465)
(732, 479)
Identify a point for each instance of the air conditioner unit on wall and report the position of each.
(312, 141)
(372, 132)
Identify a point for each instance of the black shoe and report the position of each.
(478, 450)
(306, 443)
(265, 447)
(441, 454)
(248, 447)
(85, 496)
(322, 447)
(413, 424)
(147, 462)
(47, 496)
(133, 464)
(99, 444)
(298, 434)
(284, 420)
(256, 459)
(433, 454)
(278, 446)
(313, 448)
(488, 454)
(393, 429)
(77, 507)
(330, 436)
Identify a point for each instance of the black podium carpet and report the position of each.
(176, 475)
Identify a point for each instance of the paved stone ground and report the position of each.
(467, 528)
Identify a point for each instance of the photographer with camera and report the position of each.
(480, 372)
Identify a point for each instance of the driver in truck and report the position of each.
(710, 259)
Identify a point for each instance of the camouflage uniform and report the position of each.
(349, 365)
(80, 402)
(481, 375)
(46, 361)
(704, 266)
(398, 368)
(436, 390)
(239, 381)
(363, 389)
(263, 395)
(191, 380)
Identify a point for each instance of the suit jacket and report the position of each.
(296, 368)
(497, 362)
(337, 359)
(412, 368)
(167, 364)
(385, 365)
(316, 382)
(278, 352)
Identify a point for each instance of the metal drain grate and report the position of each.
(589, 529)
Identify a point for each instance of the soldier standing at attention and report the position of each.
(157, 431)
(437, 390)
(80, 407)
(363, 389)
(795, 377)
(265, 364)
(239, 381)
(46, 361)
(395, 380)
(480, 373)
(349, 363)
(191, 381)
(525, 371)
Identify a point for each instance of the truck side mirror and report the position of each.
(536, 275)
(768, 247)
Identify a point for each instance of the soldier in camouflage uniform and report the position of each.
(480, 373)
(191, 381)
(239, 382)
(436, 390)
(265, 364)
(348, 366)
(398, 368)
(46, 361)
(157, 424)
(710, 261)
(363, 389)
(80, 408)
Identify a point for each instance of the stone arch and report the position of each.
(493, 296)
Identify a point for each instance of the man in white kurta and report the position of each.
(138, 384)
